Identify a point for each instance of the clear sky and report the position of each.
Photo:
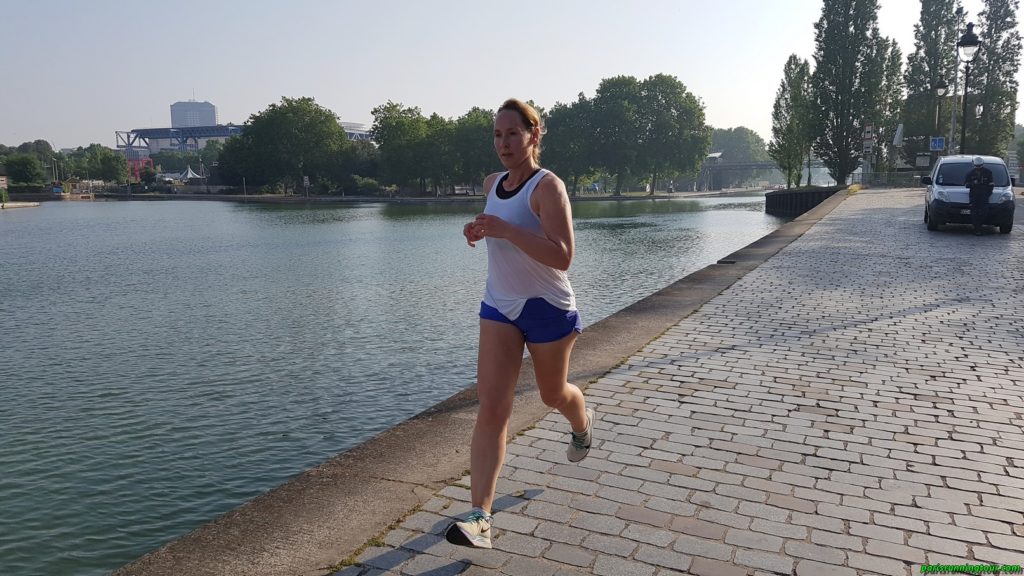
(73, 72)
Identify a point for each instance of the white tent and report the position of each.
(188, 174)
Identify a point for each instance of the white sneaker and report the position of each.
(579, 445)
(474, 531)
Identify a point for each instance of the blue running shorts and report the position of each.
(540, 322)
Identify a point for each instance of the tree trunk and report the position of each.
(618, 184)
(808, 169)
(654, 182)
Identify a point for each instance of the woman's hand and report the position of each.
(489, 226)
(472, 234)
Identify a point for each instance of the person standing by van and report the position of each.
(979, 183)
(528, 301)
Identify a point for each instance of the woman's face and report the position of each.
(513, 141)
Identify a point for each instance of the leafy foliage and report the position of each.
(994, 75)
(934, 58)
(284, 143)
(844, 81)
(24, 169)
(792, 120)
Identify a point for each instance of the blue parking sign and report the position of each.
(938, 143)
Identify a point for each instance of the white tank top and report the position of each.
(513, 277)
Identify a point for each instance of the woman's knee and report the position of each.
(494, 413)
(555, 396)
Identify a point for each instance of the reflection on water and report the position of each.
(163, 362)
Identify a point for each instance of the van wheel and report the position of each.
(1005, 228)
(932, 224)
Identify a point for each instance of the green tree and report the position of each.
(41, 149)
(617, 129)
(438, 147)
(235, 163)
(284, 143)
(882, 94)
(473, 145)
(842, 50)
(568, 143)
(401, 133)
(673, 136)
(994, 73)
(791, 119)
(1018, 134)
(24, 169)
(147, 175)
(925, 113)
(101, 163)
(740, 145)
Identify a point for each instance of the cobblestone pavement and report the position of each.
(852, 406)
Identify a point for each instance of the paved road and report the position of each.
(852, 406)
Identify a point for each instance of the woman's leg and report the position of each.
(551, 365)
(498, 364)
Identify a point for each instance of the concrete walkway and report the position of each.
(851, 406)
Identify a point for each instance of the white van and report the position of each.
(947, 200)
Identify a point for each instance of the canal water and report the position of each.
(163, 362)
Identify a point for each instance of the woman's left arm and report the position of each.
(556, 245)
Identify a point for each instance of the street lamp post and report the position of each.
(968, 49)
(940, 90)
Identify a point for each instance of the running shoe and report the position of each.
(579, 445)
(474, 531)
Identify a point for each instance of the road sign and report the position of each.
(937, 144)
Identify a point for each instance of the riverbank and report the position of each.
(325, 516)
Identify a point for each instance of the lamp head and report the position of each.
(968, 44)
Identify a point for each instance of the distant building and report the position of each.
(192, 113)
(3, 177)
(356, 131)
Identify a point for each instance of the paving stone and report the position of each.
(815, 552)
(612, 566)
(648, 534)
(695, 546)
(520, 544)
(812, 568)
(557, 532)
(708, 567)
(425, 564)
(519, 566)
(700, 528)
(610, 544)
(662, 557)
(882, 548)
(766, 560)
(567, 554)
(779, 529)
(643, 515)
(599, 523)
(480, 557)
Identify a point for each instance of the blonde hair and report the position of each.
(530, 118)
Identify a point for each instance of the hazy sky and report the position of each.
(73, 71)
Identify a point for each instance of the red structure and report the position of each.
(135, 166)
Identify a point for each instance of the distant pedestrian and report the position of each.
(979, 183)
(528, 301)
